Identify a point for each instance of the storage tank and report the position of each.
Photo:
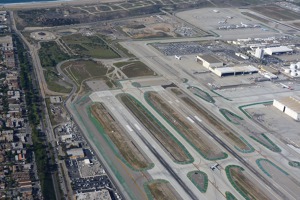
(293, 67)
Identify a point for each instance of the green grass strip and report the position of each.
(191, 159)
(294, 164)
(248, 105)
(250, 150)
(200, 188)
(230, 196)
(264, 170)
(225, 155)
(103, 153)
(228, 174)
(211, 99)
(213, 91)
(274, 147)
(112, 145)
(226, 112)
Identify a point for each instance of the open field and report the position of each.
(134, 69)
(55, 83)
(199, 179)
(89, 46)
(234, 139)
(161, 190)
(50, 54)
(130, 152)
(276, 12)
(244, 184)
(195, 137)
(168, 142)
(81, 70)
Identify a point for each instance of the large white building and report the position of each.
(209, 61)
(234, 71)
(289, 105)
(276, 50)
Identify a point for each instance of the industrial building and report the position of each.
(209, 61)
(277, 50)
(75, 153)
(233, 71)
(289, 105)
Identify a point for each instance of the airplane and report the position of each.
(216, 11)
(244, 25)
(286, 86)
(223, 22)
(178, 57)
(215, 166)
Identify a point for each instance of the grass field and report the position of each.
(89, 46)
(195, 137)
(256, 17)
(244, 184)
(50, 54)
(161, 190)
(221, 129)
(81, 70)
(118, 136)
(202, 94)
(199, 179)
(134, 69)
(172, 146)
(55, 83)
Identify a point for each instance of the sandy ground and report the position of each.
(30, 5)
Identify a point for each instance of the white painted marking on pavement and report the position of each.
(138, 128)
(197, 118)
(190, 119)
(129, 128)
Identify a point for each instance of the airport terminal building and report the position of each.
(289, 105)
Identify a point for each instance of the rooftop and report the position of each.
(248, 68)
(209, 58)
(292, 102)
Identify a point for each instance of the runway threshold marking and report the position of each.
(197, 118)
(129, 128)
(190, 119)
(137, 127)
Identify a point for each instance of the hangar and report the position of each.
(209, 61)
(277, 50)
(233, 71)
(289, 105)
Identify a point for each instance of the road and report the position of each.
(47, 127)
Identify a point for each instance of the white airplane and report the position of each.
(286, 86)
(223, 22)
(244, 25)
(215, 166)
(178, 57)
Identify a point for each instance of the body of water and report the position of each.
(23, 1)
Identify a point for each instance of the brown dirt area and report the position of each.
(122, 141)
(211, 120)
(246, 185)
(160, 133)
(194, 136)
(162, 191)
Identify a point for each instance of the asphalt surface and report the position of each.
(243, 161)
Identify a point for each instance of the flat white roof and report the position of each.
(279, 49)
(292, 102)
(225, 70)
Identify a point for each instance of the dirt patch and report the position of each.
(170, 144)
(199, 179)
(277, 12)
(246, 185)
(190, 133)
(122, 141)
(162, 191)
(211, 120)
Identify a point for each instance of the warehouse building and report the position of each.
(289, 105)
(209, 61)
(75, 153)
(234, 71)
(277, 50)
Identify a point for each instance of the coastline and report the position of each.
(48, 4)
